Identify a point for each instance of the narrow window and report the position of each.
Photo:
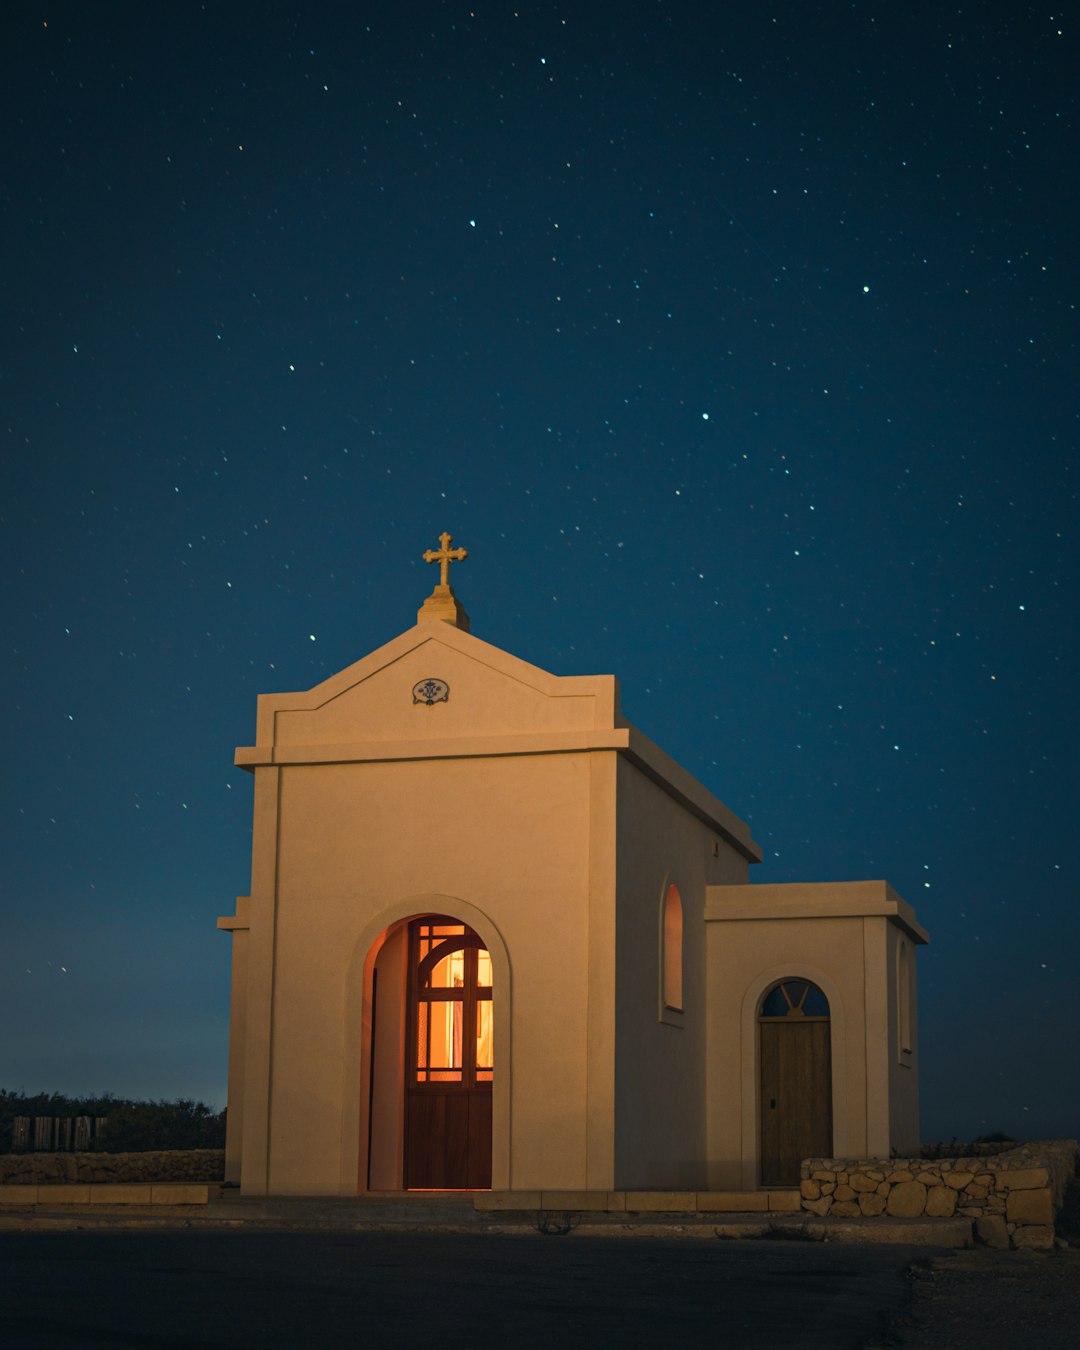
(903, 997)
(673, 949)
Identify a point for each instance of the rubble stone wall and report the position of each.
(32, 1169)
(1012, 1197)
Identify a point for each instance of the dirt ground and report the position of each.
(990, 1300)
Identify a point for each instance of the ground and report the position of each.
(989, 1300)
(220, 1290)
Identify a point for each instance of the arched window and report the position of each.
(672, 950)
(794, 998)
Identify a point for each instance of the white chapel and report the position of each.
(497, 938)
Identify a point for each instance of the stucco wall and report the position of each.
(660, 1059)
(508, 835)
(238, 1006)
(745, 958)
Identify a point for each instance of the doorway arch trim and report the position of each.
(355, 1095)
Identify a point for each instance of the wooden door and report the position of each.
(450, 1066)
(796, 1081)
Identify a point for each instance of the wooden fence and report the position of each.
(55, 1134)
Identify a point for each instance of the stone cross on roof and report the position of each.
(442, 603)
(444, 556)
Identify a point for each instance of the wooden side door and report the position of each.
(796, 1081)
(450, 1066)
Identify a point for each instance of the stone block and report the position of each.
(907, 1200)
(181, 1193)
(940, 1202)
(975, 1192)
(784, 1202)
(865, 1181)
(121, 1194)
(1029, 1207)
(819, 1207)
(1027, 1179)
(845, 1209)
(827, 1187)
(64, 1195)
(990, 1230)
(653, 1202)
(1041, 1237)
(903, 1175)
(810, 1190)
(822, 1174)
(734, 1202)
(502, 1200)
(870, 1204)
(18, 1195)
(616, 1201)
(584, 1200)
(883, 1188)
(874, 1176)
(843, 1194)
(928, 1178)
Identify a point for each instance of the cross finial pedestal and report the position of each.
(442, 603)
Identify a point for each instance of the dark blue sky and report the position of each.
(736, 343)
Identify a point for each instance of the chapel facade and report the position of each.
(497, 938)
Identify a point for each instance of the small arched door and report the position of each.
(449, 1063)
(796, 1080)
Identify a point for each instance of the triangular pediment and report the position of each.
(476, 690)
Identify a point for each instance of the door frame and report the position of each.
(356, 1089)
(750, 1078)
(778, 1030)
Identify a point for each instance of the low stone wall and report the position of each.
(31, 1169)
(1011, 1197)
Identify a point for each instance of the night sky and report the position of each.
(737, 343)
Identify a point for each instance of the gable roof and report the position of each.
(495, 704)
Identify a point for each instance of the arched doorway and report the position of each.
(431, 1058)
(795, 1070)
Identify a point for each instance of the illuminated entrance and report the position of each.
(449, 1063)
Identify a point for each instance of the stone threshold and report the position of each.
(642, 1202)
(700, 1226)
(46, 1195)
(109, 1193)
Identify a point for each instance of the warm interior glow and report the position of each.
(440, 1021)
(484, 1027)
